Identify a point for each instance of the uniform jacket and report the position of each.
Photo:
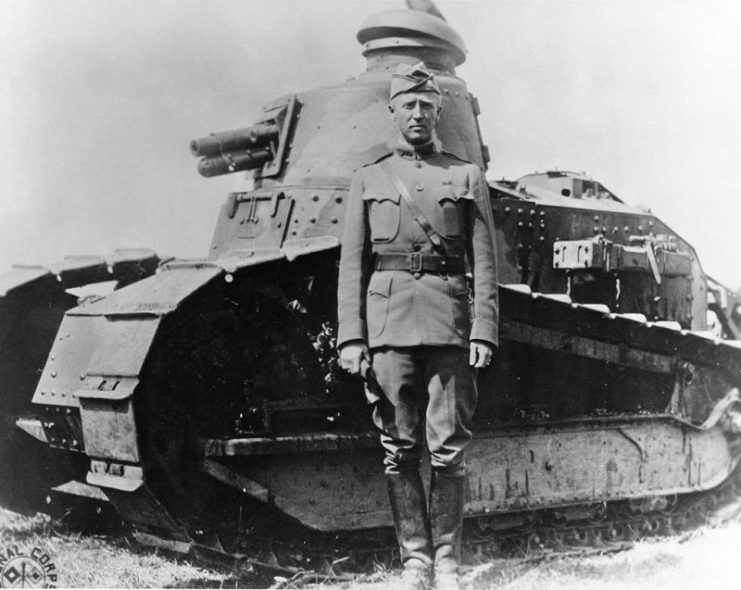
(398, 308)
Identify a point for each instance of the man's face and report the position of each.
(416, 114)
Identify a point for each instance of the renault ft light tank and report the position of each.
(204, 401)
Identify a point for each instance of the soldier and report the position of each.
(414, 217)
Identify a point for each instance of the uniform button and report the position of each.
(418, 187)
(418, 164)
(417, 275)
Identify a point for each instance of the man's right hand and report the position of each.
(352, 355)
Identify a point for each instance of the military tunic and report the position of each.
(418, 324)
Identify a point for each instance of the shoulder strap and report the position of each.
(451, 155)
(432, 235)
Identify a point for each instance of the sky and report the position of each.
(99, 100)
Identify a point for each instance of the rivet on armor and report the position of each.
(507, 209)
(295, 221)
(418, 187)
(596, 218)
(519, 212)
(53, 374)
(595, 229)
(315, 197)
(520, 224)
(650, 224)
(312, 219)
(542, 213)
(626, 229)
(604, 229)
(335, 220)
(229, 278)
(640, 228)
(338, 199)
(532, 212)
(615, 229)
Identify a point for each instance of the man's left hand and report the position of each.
(481, 353)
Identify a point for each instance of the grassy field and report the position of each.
(704, 559)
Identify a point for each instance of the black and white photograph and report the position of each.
(367, 294)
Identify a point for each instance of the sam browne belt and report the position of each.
(418, 262)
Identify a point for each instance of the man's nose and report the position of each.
(417, 112)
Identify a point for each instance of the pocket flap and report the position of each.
(374, 196)
(455, 194)
(380, 283)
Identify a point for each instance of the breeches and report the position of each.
(425, 386)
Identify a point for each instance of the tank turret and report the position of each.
(302, 176)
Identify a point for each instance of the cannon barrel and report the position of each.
(234, 162)
(217, 144)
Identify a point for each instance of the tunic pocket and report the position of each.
(377, 306)
(459, 304)
(452, 206)
(384, 216)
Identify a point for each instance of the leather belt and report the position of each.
(418, 262)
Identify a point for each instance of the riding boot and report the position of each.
(446, 521)
(409, 507)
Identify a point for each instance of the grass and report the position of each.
(705, 559)
(100, 561)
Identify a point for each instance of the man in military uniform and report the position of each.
(414, 217)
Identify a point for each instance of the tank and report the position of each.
(202, 398)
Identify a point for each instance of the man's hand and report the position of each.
(481, 353)
(351, 356)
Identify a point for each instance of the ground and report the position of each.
(703, 559)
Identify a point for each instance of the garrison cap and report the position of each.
(416, 78)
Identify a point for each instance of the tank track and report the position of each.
(297, 556)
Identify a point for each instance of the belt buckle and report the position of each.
(415, 262)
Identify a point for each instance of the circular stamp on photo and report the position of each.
(27, 569)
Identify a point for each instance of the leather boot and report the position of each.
(409, 507)
(446, 521)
